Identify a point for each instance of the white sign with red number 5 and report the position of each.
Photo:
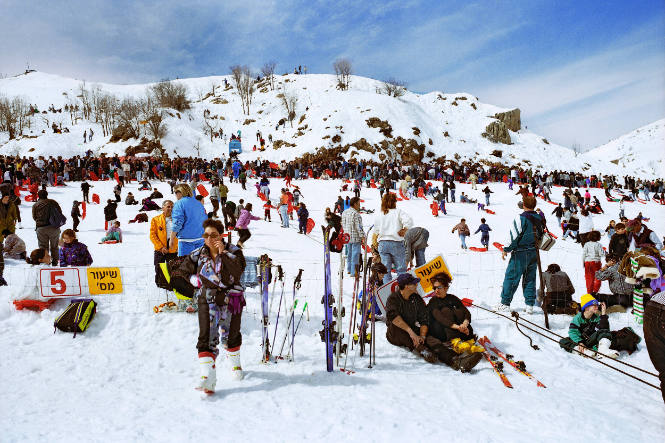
(60, 282)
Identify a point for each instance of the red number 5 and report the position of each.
(60, 283)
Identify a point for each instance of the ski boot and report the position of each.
(466, 361)
(460, 346)
(474, 347)
(426, 354)
(604, 348)
(208, 378)
(234, 359)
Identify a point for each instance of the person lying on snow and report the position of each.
(406, 313)
(466, 199)
(114, 234)
(149, 205)
(156, 194)
(72, 251)
(145, 185)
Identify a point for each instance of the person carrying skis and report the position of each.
(215, 268)
(450, 335)
(485, 236)
(523, 264)
(589, 332)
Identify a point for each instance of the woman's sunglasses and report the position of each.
(212, 235)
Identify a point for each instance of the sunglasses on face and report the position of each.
(436, 288)
(211, 235)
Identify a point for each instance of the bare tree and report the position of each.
(290, 102)
(170, 94)
(14, 115)
(84, 96)
(130, 115)
(393, 87)
(268, 71)
(243, 81)
(153, 116)
(208, 124)
(343, 70)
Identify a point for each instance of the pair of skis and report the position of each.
(328, 333)
(290, 326)
(498, 365)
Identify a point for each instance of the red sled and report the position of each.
(155, 171)
(372, 184)
(83, 210)
(421, 193)
(110, 242)
(489, 211)
(310, 225)
(93, 176)
(95, 198)
(262, 196)
(498, 245)
(473, 248)
(33, 305)
(552, 203)
(401, 194)
(115, 176)
(274, 165)
(29, 198)
(203, 178)
(203, 192)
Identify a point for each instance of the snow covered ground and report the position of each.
(130, 377)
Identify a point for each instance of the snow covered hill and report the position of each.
(639, 152)
(359, 123)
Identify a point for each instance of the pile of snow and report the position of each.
(449, 125)
(639, 152)
(133, 371)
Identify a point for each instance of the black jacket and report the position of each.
(413, 311)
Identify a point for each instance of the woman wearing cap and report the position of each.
(589, 332)
(389, 230)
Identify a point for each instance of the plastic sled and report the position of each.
(473, 248)
(203, 192)
(498, 245)
(310, 225)
(33, 305)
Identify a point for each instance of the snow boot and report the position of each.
(502, 308)
(460, 346)
(528, 309)
(234, 359)
(208, 373)
(428, 355)
(604, 348)
(466, 361)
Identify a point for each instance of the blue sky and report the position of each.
(581, 71)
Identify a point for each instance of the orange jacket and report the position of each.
(158, 234)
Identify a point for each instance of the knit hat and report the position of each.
(588, 300)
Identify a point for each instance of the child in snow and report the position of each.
(592, 252)
(73, 252)
(145, 185)
(130, 200)
(113, 234)
(485, 236)
(116, 191)
(14, 246)
(266, 211)
(76, 214)
(589, 332)
(303, 215)
(463, 230)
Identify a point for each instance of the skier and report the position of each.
(485, 236)
(523, 256)
(217, 268)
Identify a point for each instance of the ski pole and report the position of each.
(296, 287)
(288, 326)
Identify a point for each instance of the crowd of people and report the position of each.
(195, 256)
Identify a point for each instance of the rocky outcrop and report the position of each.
(383, 126)
(511, 119)
(497, 132)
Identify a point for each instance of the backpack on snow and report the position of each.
(77, 317)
